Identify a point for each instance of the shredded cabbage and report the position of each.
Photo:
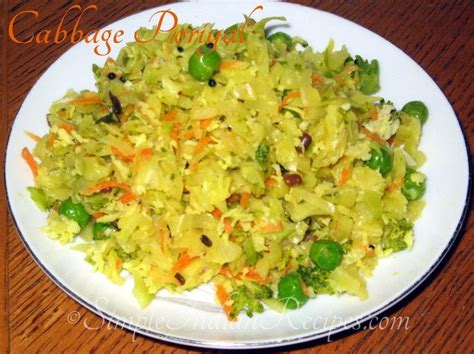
(195, 175)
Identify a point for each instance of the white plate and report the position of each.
(194, 318)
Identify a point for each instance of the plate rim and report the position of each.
(267, 343)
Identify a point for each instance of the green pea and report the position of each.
(290, 291)
(102, 230)
(381, 159)
(416, 109)
(281, 36)
(415, 185)
(204, 63)
(75, 211)
(326, 254)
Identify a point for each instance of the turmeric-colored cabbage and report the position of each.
(230, 180)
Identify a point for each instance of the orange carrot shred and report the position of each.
(270, 182)
(255, 276)
(205, 140)
(396, 184)
(26, 154)
(127, 197)
(147, 153)
(118, 263)
(33, 136)
(221, 293)
(87, 100)
(50, 141)
(122, 155)
(225, 271)
(268, 228)
(345, 174)
(317, 79)
(287, 98)
(169, 117)
(227, 226)
(189, 134)
(374, 114)
(223, 296)
(67, 127)
(184, 260)
(230, 65)
(175, 132)
(372, 136)
(217, 213)
(104, 185)
(204, 123)
(244, 200)
(98, 215)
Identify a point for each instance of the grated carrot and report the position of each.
(244, 199)
(227, 226)
(345, 174)
(205, 140)
(122, 155)
(184, 260)
(127, 197)
(225, 271)
(34, 137)
(87, 100)
(67, 127)
(223, 296)
(287, 269)
(317, 79)
(169, 117)
(255, 276)
(395, 185)
(118, 263)
(270, 182)
(189, 134)
(230, 65)
(26, 154)
(217, 213)
(104, 185)
(204, 123)
(372, 136)
(287, 98)
(374, 113)
(98, 215)
(146, 153)
(175, 132)
(268, 228)
(50, 141)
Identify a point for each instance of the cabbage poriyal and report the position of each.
(260, 165)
